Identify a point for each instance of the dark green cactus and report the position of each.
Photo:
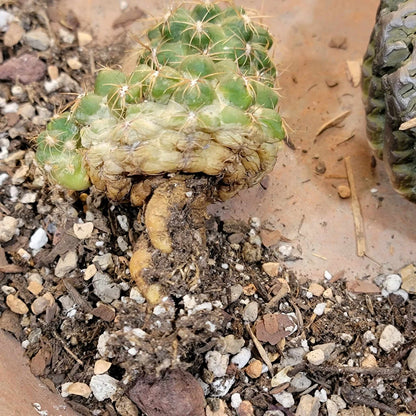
(201, 99)
(389, 89)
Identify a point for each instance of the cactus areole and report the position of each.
(201, 100)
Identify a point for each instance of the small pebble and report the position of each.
(344, 191)
(39, 305)
(408, 275)
(300, 382)
(84, 38)
(123, 222)
(83, 230)
(328, 294)
(281, 377)
(8, 228)
(316, 357)
(285, 250)
(254, 369)
(321, 395)
(245, 409)
(327, 275)
(104, 262)
(308, 406)
(221, 386)
(251, 312)
(392, 283)
(38, 239)
(285, 399)
(271, 268)
(37, 39)
(232, 345)
(328, 348)
(16, 305)
(316, 289)
(74, 63)
(319, 309)
(103, 386)
(390, 338)
(217, 363)
(242, 358)
(66, 264)
(79, 389)
(105, 288)
(101, 366)
(411, 360)
(369, 361)
(235, 292)
(236, 400)
(90, 272)
(331, 408)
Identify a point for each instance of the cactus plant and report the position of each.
(389, 89)
(200, 103)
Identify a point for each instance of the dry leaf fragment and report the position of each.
(272, 328)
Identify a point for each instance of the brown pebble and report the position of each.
(105, 312)
(177, 393)
(344, 191)
(271, 268)
(253, 370)
(39, 362)
(53, 72)
(245, 409)
(34, 287)
(13, 35)
(16, 305)
(26, 69)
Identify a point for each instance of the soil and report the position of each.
(252, 288)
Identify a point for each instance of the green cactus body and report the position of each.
(201, 100)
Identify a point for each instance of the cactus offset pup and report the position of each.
(199, 107)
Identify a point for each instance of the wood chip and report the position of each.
(333, 122)
(409, 124)
(354, 72)
(356, 210)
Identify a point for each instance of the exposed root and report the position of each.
(139, 263)
(169, 195)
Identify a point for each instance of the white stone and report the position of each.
(402, 293)
(319, 309)
(217, 363)
(368, 336)
(321, 395)
(411, 360)
(285, 250)
(123, 222)
(242, 358)
(285, 399)
(316, 357)
(66, 264)
(231, 344)
(122, 243)
(327, 348)
(8, 228)
(136, 295)
(390, 338)
(5, 19)
(221, 386)
(236, 400)
(38, 239)
(29, 198)
(103, 386)
(327, 275)
(102, 344)
(392, 283)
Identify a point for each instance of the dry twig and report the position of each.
(260, 349)
(356, 210)
(333, 122)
